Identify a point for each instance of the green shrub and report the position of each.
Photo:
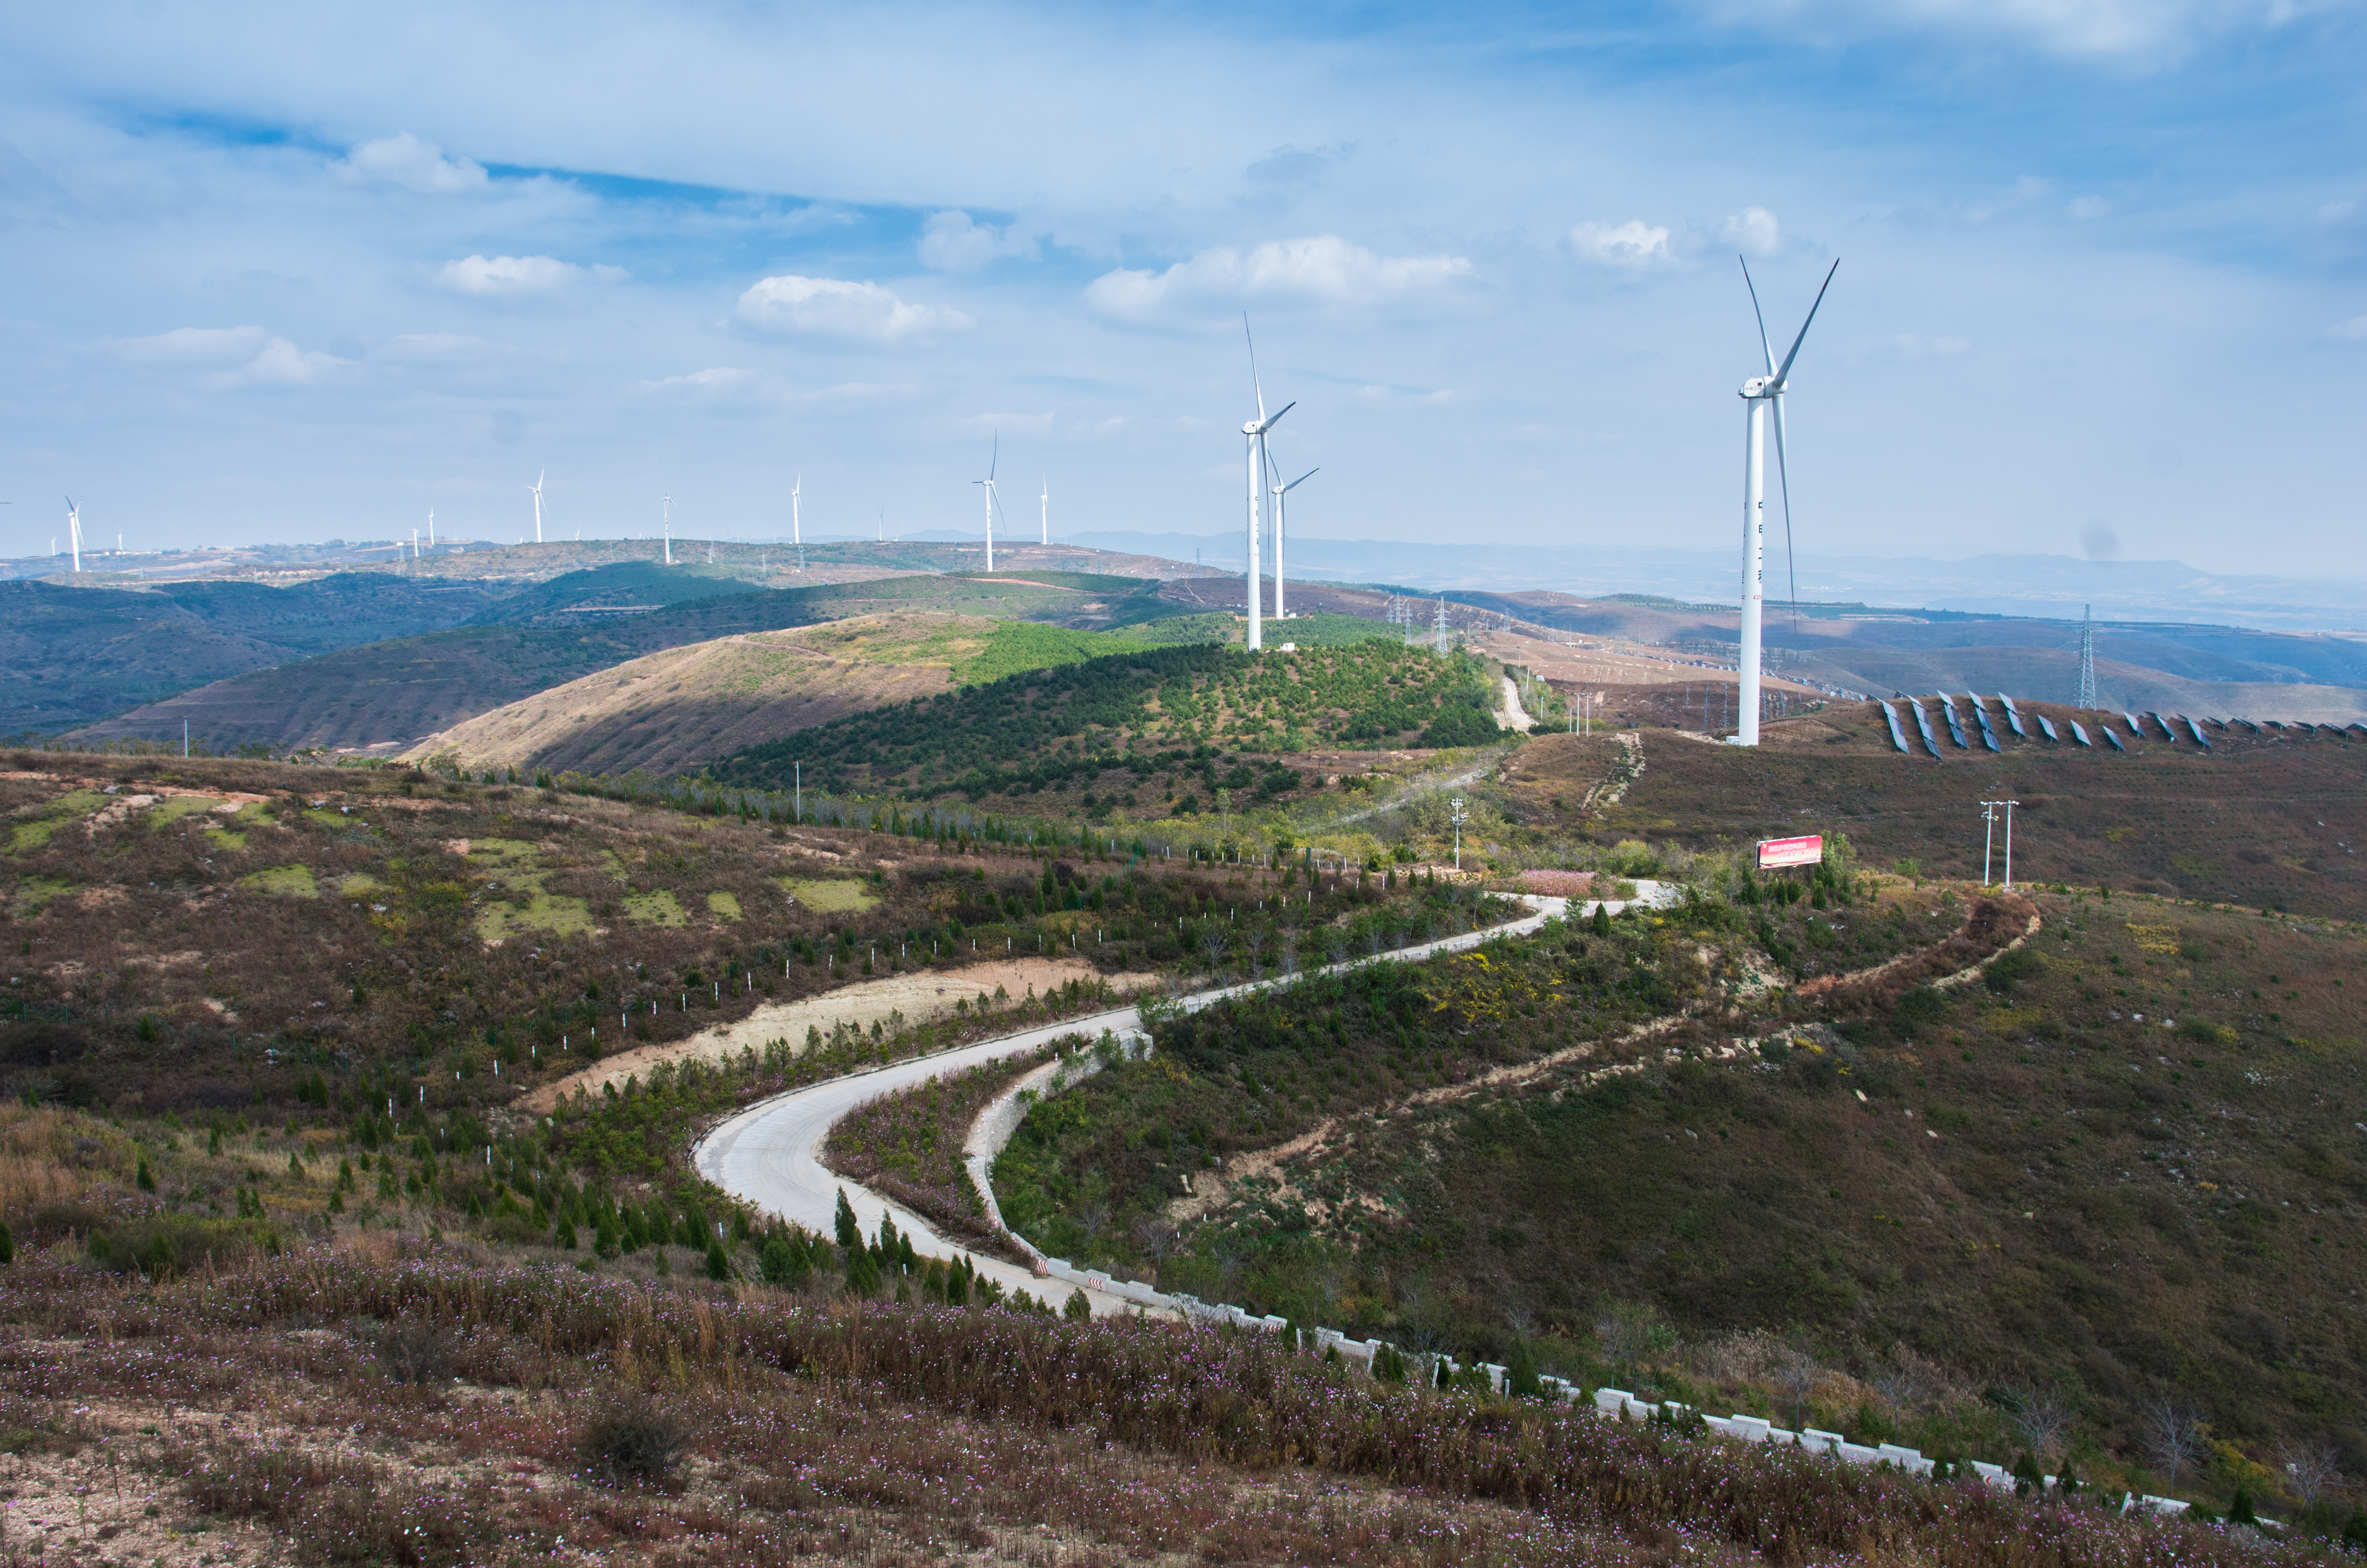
(633, 1440)
(1077, 1309)
(718, 1261)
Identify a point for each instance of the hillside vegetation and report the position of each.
(2268, 820)
(673, 711)
(2118, 1172)
(394, 692)
(1022, 733)
(71, 655)
(244, 922)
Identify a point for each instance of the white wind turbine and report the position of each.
(537, 488)
(665, 522)
(797, 520)
(994, 460)
(1759, 394)
(1045, 499)
(1281, 499)
(1255, 431)
(74, 531)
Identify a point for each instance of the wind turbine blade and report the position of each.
(1278, 412)
(1302, 479)
(1255, 385)
(995, 456)
(1784, 470)
(1828, 283)
(1767, 352)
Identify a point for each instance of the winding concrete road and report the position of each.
(770, 1154)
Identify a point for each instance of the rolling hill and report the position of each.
(675, 711)
(1076, 721)
(388, 695)
(70, 655)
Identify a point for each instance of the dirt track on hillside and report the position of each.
(921, 996)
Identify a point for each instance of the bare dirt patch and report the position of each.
(921, 997)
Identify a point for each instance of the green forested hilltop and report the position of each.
(992, 737)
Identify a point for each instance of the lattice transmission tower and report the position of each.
(2087, 695)
(1440, 628)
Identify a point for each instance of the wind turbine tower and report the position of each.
(665, 521)
(1046, 501)
(796, 521)
(537, 488)
(74, 531)
(1281, 501)
(993, 461)
(1255, 431)
(431, 528)
(1759, 395)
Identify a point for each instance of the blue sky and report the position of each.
(303, 271)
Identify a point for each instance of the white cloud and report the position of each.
(2085, 207)
(951, 241)
(512, 277)
(235, 356)
(1632, 244)
(2143, 30)
(1325, 270)
(404, 160)
(2353, 331)
(831, 307)
(1753, 232)
(725, 387)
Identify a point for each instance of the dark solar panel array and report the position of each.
(1955, 725)
(2080, 734)
(2047, 725)
(1890, 717)
(2106, 729)
(2013, 715)
(1988, 737)
(1923, 723)
(2200, 738)
(2167, 733)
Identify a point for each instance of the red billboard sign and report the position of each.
(1774, 852)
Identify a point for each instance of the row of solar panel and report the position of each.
(2046, 726)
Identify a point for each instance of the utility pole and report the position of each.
(1458, 817)
(1988, 837)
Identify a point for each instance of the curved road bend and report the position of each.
(770, 1154)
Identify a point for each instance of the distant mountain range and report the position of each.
(2050, 587)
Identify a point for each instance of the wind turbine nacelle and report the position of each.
(1250, 428)
(1758, 386)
